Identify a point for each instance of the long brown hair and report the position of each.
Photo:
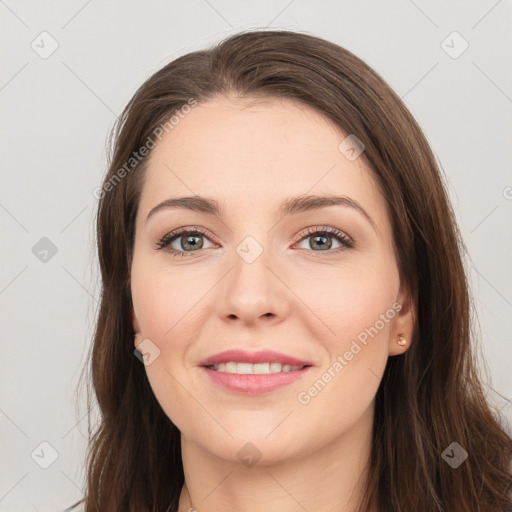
(429, 397)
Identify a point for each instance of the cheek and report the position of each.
(342, 391)
(348, 300)
(354, 315)
(162, 299)
(164, 305)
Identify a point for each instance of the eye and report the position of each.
(190, 240)
(187, 239)
(321, 238)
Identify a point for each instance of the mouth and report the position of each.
(262, 361)
(253, 379)
(251, 373)
(241, 368)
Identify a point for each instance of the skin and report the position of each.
(250, 154)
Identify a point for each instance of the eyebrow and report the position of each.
(290, 206)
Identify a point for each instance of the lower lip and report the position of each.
(254, 384)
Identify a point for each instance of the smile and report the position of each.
(254, 369)
(244, 378)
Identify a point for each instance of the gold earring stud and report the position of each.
(401, 340)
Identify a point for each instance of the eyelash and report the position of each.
(347, 242)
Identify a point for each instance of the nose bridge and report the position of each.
(251, 289)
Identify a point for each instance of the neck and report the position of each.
(328, 478)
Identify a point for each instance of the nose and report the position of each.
(252, 293)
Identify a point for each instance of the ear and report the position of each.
(403, 323)
(135, 325)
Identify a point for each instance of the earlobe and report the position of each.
(403, 326)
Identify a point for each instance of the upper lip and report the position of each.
(262, 356)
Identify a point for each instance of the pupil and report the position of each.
(194, 244)
(323, 245)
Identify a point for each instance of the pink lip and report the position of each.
(263, 356)
(254, 384)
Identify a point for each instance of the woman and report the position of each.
(274, 370)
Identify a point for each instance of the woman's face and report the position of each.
(258, 277)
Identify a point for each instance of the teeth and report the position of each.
(256, 369)
(275, 367)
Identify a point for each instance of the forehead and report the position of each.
(256, 151)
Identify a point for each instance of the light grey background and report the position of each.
(57, 111)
